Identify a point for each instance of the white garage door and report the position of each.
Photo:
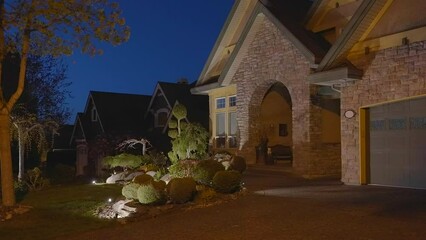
(398, 144)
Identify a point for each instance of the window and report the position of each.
(232, 130)
(225, 135)
(220, 103)
(233, 101)
(220, 124)
(94, 115)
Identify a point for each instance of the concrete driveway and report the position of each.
(282, 205)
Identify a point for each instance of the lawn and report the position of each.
(60, 210)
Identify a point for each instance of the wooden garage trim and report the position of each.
(364, 140)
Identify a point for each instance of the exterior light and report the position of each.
(109, 200)
(93, 182)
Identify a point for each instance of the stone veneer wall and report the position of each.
(390, 74)
(272, 58)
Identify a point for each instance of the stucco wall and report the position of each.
(272, 58)
(391, 74)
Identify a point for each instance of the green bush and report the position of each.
(21, 189)
(182, 168)
(238, 164)
(35, 181)
(227, 181)
(181, 190)
(124, 160)
(205, 171)
(63, 173)
(130, 191)
(148, 194)
(159, 185)
(143, 179)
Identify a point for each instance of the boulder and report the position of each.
(151, 173)
(166, 178)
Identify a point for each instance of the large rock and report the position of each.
(123, 177)
(122, 210)
(166, 178)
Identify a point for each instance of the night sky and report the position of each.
(170, 39)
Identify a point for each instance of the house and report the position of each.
(108, 118)
(166, 95)
(340, 82)
(62, 152)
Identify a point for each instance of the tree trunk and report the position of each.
(8, 193)
(21, 154)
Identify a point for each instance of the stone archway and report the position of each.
(270, 105)
(275, 118)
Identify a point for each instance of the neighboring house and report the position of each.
(108, 119)
(165, 97)
(62, 152)
(341, 82)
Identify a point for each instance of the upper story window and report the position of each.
(94, 115)
(220, 103)
(233, 101)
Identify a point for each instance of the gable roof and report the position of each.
(174, 93)
(288, 16)
(120, 112)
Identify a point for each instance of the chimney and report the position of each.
(183, 81)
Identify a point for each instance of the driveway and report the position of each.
(282, 205)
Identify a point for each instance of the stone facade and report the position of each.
(391, 74)
(272, 58)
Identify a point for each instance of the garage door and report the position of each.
(398, 144)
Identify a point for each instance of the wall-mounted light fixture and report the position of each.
(405, 41)
(349, 114)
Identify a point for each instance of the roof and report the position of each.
(289, 16)
(120, 112)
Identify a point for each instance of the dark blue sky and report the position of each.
(170, 39)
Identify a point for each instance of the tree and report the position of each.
(189, 140)
(42, 27)
(28, 129)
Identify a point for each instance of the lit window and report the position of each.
(220, 124)
(232, 130)
(220, 103)
(233, 101)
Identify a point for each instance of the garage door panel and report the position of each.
(398, 144)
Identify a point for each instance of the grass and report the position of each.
(60, 210)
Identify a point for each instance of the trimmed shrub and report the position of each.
(148, 194)
(238, 163)
(205, 171)
(181, 190)
(143, 179)
(124, 160)
(35, 180)
(160, 185)
(227, 181)
(130, 191)
(183, 168)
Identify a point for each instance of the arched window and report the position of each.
(161, 117)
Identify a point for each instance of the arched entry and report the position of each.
(275, 121)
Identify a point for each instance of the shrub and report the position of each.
(149, 167)
(148, 194)
(63, 173)
(160, 173)
(205, 194)
(143, 179)
(238, 164)
(158, 159)
(124, 160)
(159, 185)
(183, 168)
(205, 171)
(130, 191)
(181, 190)
(35, 181)
(21, 189)
(227, 181)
